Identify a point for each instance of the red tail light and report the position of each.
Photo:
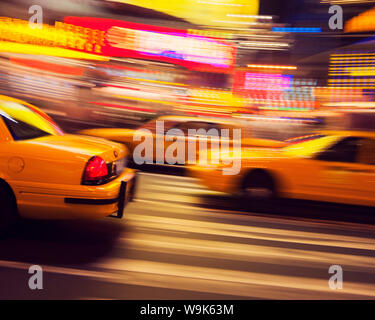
(96, 171)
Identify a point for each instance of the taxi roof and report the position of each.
(7, 98)
(198, 119)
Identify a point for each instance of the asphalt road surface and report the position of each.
(181, 241)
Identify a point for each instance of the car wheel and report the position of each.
(259, 187)
(8, 208)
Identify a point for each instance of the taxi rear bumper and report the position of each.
(79, 202)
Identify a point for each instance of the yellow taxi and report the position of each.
(331, 166)
(202, 125)
(46, 174)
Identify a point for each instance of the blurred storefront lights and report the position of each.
(353, 70)
(274, 90)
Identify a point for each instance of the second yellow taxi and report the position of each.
(202, 125)
(332, 166)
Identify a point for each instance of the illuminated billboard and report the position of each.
(116, 38)
(125, 39)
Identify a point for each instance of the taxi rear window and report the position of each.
(23, 131)
(24, 123)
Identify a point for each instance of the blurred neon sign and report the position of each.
(266, 81)
(296, 29)
(261, 84)
(126, 39)
(61, 35)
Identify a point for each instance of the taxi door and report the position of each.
(201, 141)
(329, 175)
(365, 178)
(341, 176)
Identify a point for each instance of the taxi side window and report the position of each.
(345, 150)
(151, 125)
(192, 125)
(366, 154)
(219, 127)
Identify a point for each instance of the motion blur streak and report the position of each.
(189, 243)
